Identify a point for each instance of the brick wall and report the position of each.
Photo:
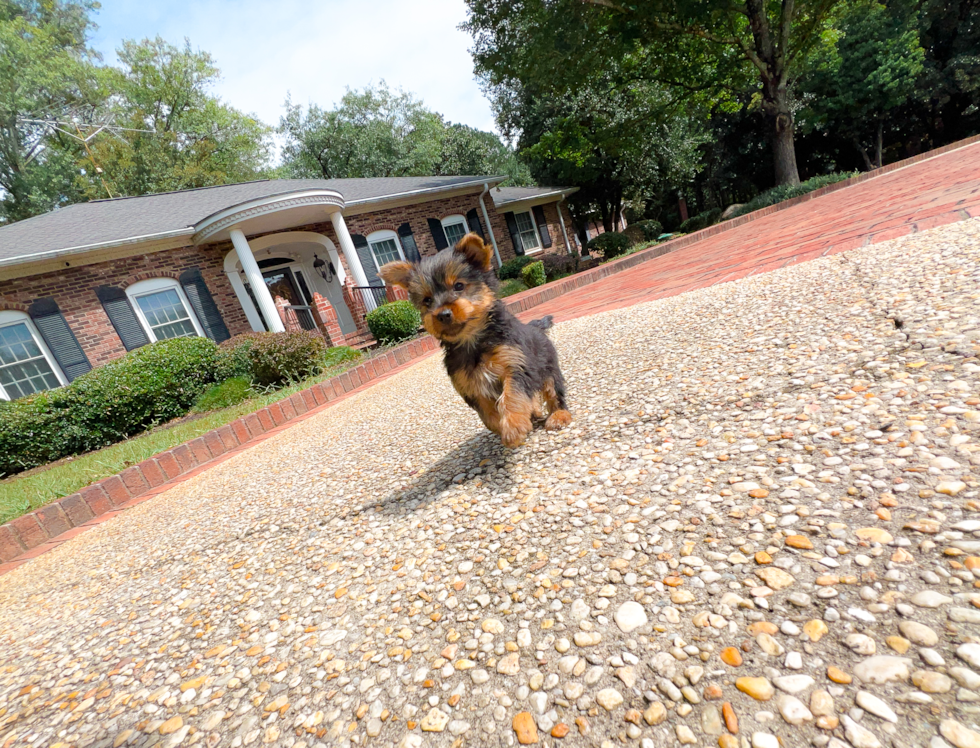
(74, 288)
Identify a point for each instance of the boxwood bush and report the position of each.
(611, 244)
(273, 358)
(394, 322)
(533, 275)
(513, 267)
(150, 385)
(560, 264)
(700, 221)
(644, 231)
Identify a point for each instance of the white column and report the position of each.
(568, 247)
(267, 306)
(347, 245)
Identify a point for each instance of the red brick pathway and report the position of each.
(933, 192)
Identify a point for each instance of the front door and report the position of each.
(282, 283)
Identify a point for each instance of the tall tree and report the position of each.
(466, 150)
(175, 134)
(47, 73)
(699, 46)
(869, 69)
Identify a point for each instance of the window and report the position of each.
(26, 365)
(385, 248)
(163, 310)
(528, 232)
(455, 228)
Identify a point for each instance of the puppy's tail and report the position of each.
(545, 323)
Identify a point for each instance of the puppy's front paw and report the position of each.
(558, 420)
(513, 431)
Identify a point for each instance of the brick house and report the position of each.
(82, 285)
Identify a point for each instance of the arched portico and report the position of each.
(296, 274)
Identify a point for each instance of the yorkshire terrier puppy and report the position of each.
(501, 367)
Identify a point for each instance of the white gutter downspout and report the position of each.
(486, 217)
(561, 219)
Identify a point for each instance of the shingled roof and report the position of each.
(104, 222)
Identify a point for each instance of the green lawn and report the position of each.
(24, 493)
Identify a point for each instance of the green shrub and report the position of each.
(788, 191)
(559, 265)
(611, 244)
(511, 287)
(700, 221)
(512, 268)
(35, 431)
(224, 394)
(233, 358)
(150, 385)
(338, 355)
(649, 229)
(394, 322)
(533, 275)
(277, 358)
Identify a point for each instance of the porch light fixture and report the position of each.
(325, 269)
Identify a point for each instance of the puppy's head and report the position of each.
(453, 291)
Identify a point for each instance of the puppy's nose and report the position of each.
(445, 316)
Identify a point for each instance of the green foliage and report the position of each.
(649, 229)
(512, 268)
(394, 322)
(198, 140)
(224, 394)
(274, 358)
(379, 132)
(533, 275)
(233, 359)
(785, 192)
(150, 385)
(559, 265)
(611, 244)
(338, 355)
(510, 287)
(701, 221)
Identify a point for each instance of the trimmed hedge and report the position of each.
(150, 385)
(644, 231)
(700, 221)
(611, 244)
(394, 322)
(557, 265)
(273, 358)
(787, 191)
(533, 275)
(513, 267)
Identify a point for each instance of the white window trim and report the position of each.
(540, 248)
(454, 219)
(377, 236)
(8, 317)
(155, 285)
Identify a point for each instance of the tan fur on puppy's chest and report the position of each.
(485, 381)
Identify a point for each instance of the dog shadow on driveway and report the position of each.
(460, 466)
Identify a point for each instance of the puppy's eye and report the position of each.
(427, 301)
(458, 287)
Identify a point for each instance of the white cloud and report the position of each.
(314, 50)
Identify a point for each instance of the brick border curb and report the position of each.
(532, 297)
(26, 537)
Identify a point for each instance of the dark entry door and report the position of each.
(282, 283)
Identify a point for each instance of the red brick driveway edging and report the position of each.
(32, 534)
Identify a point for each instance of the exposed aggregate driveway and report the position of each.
(763, 528)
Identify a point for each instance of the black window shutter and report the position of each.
(438, 235)
(542, 226)
(473, 220)
(61, 341)
(366, 256)
(206, 310)
(408, 243)
(515, 235)
(122, 316)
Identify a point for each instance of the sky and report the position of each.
(314, 50)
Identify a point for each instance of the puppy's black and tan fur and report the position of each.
(504, 370)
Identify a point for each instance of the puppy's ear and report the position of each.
(474, 250)
(397, 274)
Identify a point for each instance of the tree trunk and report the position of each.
(878, 147)
(864, 153)
(781, 134)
